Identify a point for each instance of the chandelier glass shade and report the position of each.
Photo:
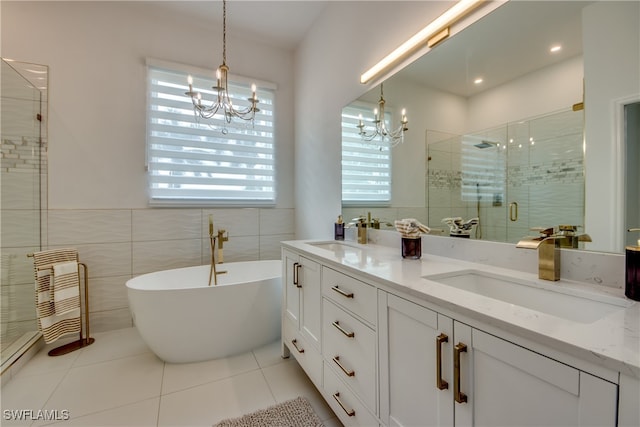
(380, 130)
(222, 104)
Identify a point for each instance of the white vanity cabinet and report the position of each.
(381, 356)
(437, 371)
(301, 305)
(349, 347)
(415, 347)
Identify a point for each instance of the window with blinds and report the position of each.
(192, 160)
(366, 166)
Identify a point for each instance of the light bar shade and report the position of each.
(447, 18)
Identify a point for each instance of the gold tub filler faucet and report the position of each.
(220, 238)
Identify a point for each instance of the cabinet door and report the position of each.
(409, 392)
(291, 295)
(311, 299)
(506, 384)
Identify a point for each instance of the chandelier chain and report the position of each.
(224, 32)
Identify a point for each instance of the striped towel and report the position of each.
(57, 293)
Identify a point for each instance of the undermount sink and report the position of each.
(335, 246)
(533, 295)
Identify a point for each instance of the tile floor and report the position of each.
(118, 381)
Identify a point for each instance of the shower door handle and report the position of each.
(513, 211)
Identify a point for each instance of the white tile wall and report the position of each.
(119, 244)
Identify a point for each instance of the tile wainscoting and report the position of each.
(122, 243)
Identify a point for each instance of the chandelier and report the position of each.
(391, 136)
(222, 103)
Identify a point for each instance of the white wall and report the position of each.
(550, 89)
(612, 73)
(96, 53)
(347, 39)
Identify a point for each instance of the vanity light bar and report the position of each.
(450, 16)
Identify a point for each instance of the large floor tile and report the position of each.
(180, 376)
(42, 363)
(141, 414)
(112, 345)
(288, 381)
(270, 354)
(29, 392)
(207, 404)
(107, 385)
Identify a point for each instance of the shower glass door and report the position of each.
(513, 177)
(23, 200)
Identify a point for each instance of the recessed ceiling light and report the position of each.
(478, 80)
(555, 48)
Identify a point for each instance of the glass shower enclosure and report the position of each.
(23, 198)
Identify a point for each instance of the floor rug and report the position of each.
(292, 413)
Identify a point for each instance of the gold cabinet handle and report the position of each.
(457, 394)
(300, 350)
(349, 412)
(513, 211)
(336, 324)
(343, 293)
(440, 383)
(296, 274)
(346, 371)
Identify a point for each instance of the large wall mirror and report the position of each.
(498, 126)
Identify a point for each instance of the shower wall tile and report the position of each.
(18, 303)
(74, 227)
(20, 228)
(270, 247)
(108, 293)
(15, 186)
(16, 267)
(238, 222)
(166, 224)
(165, 254)
(108, 320)
(277, 221)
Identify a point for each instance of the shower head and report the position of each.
(485, 144)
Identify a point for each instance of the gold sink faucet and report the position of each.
(548, 246)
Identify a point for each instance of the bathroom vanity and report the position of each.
(440, 341)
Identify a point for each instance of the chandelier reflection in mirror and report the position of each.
(385, 135)
(222, 104)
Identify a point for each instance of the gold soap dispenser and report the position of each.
(338, 229)
(632, 270)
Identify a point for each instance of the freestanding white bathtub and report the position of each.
(182, 319)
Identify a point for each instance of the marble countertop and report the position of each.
(612, 341)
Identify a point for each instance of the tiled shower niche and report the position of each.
(513, 177)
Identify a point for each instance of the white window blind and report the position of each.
(192, 161)
(366, 166)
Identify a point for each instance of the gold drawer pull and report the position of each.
(346, 372)
(349, 412)
(300, 350)
(440, 383)
(341, 329)
(457, 394)
(296, 274)
(343, 293)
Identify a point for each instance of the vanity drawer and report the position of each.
(344, 403)
(352, 294)
(307, 356)
(349, 347)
